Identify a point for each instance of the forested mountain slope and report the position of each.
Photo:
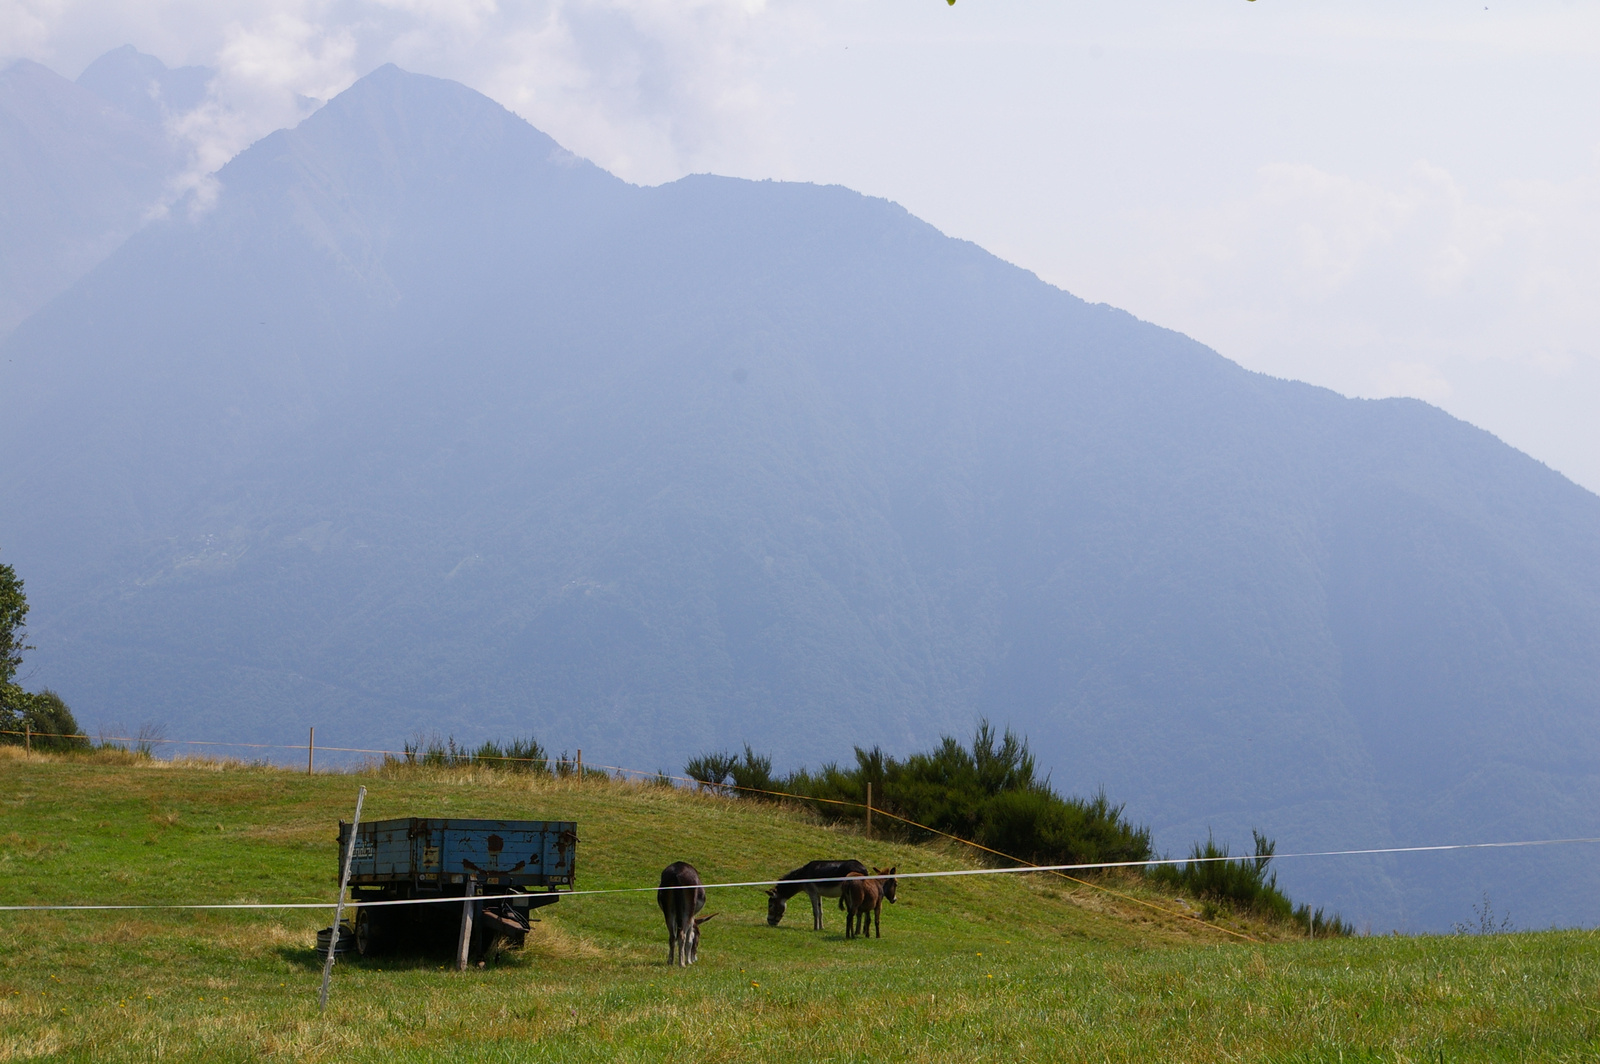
(428, 424)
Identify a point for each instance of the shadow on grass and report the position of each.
(395, 960)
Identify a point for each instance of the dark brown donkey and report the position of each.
(817, 879)
(863, 899)
(681, 896)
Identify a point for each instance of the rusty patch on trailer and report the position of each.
(563, 841)
(495, 843)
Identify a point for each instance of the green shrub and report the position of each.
(989, 793)
(1242, 884)
(754, 774)
(1245, 883)
(1321, 925)
(22, 712)
(712, 770)
(45, 714)
(518, 755)
(1041, 828)
(739, 777)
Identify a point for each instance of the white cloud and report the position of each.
(1310, 264)
(651, 88)
(1408, 287)
(270, 74)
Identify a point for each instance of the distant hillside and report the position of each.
(430, 425)
(82, 164)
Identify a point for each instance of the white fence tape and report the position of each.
(1091, 867)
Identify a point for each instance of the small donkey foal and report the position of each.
(863, 899)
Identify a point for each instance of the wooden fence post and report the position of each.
(338, 909)
(311, 748)
(27, 740)
(580, 762)
(465, 944)
(869, 810)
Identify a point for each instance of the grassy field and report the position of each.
(1013, 968)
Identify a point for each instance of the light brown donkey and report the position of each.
(863, 899)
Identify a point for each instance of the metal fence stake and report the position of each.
(338, 909)
(465, 945)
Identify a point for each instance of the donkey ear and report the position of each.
(891, 871)
(698, 920)
(772, 892)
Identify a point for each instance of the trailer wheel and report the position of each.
(369, 937)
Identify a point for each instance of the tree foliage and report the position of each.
(1243, 883)
(45, 713)
(13, 624)
(749, 775)
(517, 755)
(989, 793)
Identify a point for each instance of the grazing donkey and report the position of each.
(681, 896)
(863, 902)
(778, 897)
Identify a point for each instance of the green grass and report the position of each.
(1010, 968)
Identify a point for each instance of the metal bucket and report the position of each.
(347, 940)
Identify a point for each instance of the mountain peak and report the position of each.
(394, 132)
(143, 87)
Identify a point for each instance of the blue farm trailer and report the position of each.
(509, 866)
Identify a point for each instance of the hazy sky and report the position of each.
(1385, 199)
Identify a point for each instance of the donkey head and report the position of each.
(888, 884)
(775, 907)
(693, 944)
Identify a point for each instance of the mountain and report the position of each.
(429, 425)
(143, 88)
(82, 165)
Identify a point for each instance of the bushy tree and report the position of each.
(20, 711)
(52, 723)
(1243, 884)
(13, 624)
(748, 775)
(989, 793)
(713, 770)
(14, 701)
